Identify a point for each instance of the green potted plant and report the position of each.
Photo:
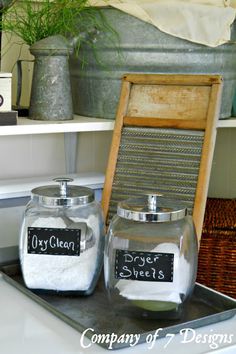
(52, 29)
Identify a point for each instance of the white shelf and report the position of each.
(227, 123)
(21, 187)
(27, 126)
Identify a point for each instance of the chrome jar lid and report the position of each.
(151, 208)
(62, 194)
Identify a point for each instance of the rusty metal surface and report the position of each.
(157, 160)
(204, 307)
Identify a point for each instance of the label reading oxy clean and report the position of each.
(54, 241)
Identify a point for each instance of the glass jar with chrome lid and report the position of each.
(150, 260)
(62, 239)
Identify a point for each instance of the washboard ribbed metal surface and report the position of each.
(163, 140)
(164, 160)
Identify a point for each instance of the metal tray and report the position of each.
(204, 307)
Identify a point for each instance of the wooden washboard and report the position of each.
(163, 140)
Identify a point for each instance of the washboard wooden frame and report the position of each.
(175, 103)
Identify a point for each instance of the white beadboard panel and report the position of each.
(102, 149)
(92, 151)
(43, 154)
(31, 155)
(15, 156)
(47, 154)
(10, 221)
(223, 174)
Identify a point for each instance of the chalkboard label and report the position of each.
(54, 241)
(145, 266)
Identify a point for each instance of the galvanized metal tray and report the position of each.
(204, 307)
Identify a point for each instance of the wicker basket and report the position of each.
(217, 255)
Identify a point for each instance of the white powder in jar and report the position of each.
(57, 272)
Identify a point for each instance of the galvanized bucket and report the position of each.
(143, 49)
(234, 106)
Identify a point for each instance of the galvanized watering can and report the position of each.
(51, 90)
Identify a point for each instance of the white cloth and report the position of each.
(201, 21)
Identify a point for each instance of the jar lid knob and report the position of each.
(63, 184)
(153, 201)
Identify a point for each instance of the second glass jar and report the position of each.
(150, 258)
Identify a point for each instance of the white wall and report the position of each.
(223, 173)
